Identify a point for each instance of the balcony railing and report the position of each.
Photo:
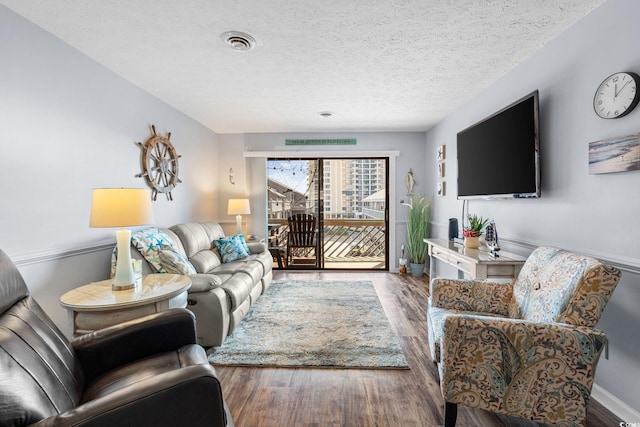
(346, 243)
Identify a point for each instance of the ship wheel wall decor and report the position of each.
(159, 164)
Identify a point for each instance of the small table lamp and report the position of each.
(121, 207)
(238, 207)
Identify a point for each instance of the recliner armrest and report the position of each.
(104, 349)
(188, 396)
(473, 295)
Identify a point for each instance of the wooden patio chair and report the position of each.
(302, 237)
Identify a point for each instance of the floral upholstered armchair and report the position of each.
(528, 348)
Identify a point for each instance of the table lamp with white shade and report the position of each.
(121, 207)
(238, 207)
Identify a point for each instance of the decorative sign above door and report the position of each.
(320, 142)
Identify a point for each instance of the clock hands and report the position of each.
(616, 91)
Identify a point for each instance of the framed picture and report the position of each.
(441, 190)
(441, 170)
(619, 154)
(441, 152)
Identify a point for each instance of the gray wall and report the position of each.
(592, 214)
(69, 125)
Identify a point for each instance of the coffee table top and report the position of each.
(99, 295)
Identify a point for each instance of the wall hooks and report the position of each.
(231, 180)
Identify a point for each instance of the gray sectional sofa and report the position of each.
(221, 292)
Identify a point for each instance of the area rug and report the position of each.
(314, 324)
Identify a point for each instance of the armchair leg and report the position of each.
(450, 414)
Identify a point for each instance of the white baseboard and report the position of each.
(615, 405)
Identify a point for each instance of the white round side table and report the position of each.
(96, 305)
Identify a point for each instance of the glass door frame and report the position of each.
(320, 200)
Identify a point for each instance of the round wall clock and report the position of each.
(617, 95)
(159, 164)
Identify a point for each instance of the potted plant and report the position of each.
(418, 223)
(473, 230)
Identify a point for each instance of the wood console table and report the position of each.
(474, 263)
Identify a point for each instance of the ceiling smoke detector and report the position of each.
(325, 114)
(238, 40)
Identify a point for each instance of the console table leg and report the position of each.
(432, 268)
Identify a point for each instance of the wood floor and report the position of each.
(362, 397)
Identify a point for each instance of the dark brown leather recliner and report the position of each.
(147, 371)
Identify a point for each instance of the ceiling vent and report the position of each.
(238, 40)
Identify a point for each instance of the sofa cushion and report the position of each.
(528, 277)
(238, 287)
(231, 248)
(197, 237)
(205, 261)
(197, 241)
(175, 263)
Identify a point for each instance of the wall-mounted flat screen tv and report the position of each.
(499, 157)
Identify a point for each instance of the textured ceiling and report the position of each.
(378, 65)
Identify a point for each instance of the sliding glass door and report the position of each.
(348, 199)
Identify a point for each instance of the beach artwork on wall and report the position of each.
(615, 155)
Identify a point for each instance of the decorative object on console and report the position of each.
(453, 228)
(238, 207)
(418, 224)
(121, 207)
(159, 164)
(618, 154)
(491, 238)
(617, 95)
(473, 230)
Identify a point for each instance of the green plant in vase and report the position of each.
(473, 230)
(418, 223)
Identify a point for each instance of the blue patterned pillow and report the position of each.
(230, 248)
(176, 263)
(243, 242)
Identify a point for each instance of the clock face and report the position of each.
(617, 95)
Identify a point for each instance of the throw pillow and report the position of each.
(243, 242)
(230, 248)
(149, 242)
(175, 263)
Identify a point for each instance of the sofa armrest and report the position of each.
(186, 396)
(470, 295)
(541, 371)
(257, 247)
(204, 282)
(107, 348)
